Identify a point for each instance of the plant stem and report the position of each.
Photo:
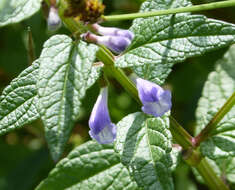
(207, 172)
(206, 132)
(195, 8)
(182, 137)
(105, 56)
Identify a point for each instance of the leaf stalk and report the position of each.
(195, 8)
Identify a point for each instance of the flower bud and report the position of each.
(115, 43)
(111, 31)
(156, 101)
(101, 127)
(53, 21)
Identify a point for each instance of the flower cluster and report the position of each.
(156, 101)
(117, 40)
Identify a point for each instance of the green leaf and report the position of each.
(65, 73)
(13, 11)
(18, 100)
(89, 166)
(145, 145)
(162, 41)
(218, 88)
(220, 147)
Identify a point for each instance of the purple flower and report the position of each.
(101, 127)
(53, 21)
(115, 43)
(111, 31)
(156, 101)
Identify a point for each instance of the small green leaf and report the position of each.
(89, 166)
(162, 41)
(145, 145)
(65, 73)
(18, 101)
(13, 11)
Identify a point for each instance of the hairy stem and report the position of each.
(195, 8)
(206, 132)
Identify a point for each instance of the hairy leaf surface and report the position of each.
(218, 88)
(145, 145)
(66, 71)
(13, 11)
(162, 41)
(90, 166)
(18, 100)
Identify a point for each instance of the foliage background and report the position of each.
(25, 159)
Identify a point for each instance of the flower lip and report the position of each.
(101, 127)
(156, 101)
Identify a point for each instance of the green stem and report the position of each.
(195, 8)
(208, 174)
(182, 137)
(206, 132)
(105, 56)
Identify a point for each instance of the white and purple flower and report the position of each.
(53, 21)
(156, 101)
(101, 127)
(117, 40)
(112, 31)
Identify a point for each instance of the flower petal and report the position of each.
(100, 116)
(53, 21)
(156, 101)
(115, 43)
(106, 135)
(112, 31)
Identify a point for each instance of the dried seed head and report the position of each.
(85, 10)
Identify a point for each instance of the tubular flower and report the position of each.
(111, 31)
(53, 21)
(156, 101)
(101, 127)
(115, 43)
